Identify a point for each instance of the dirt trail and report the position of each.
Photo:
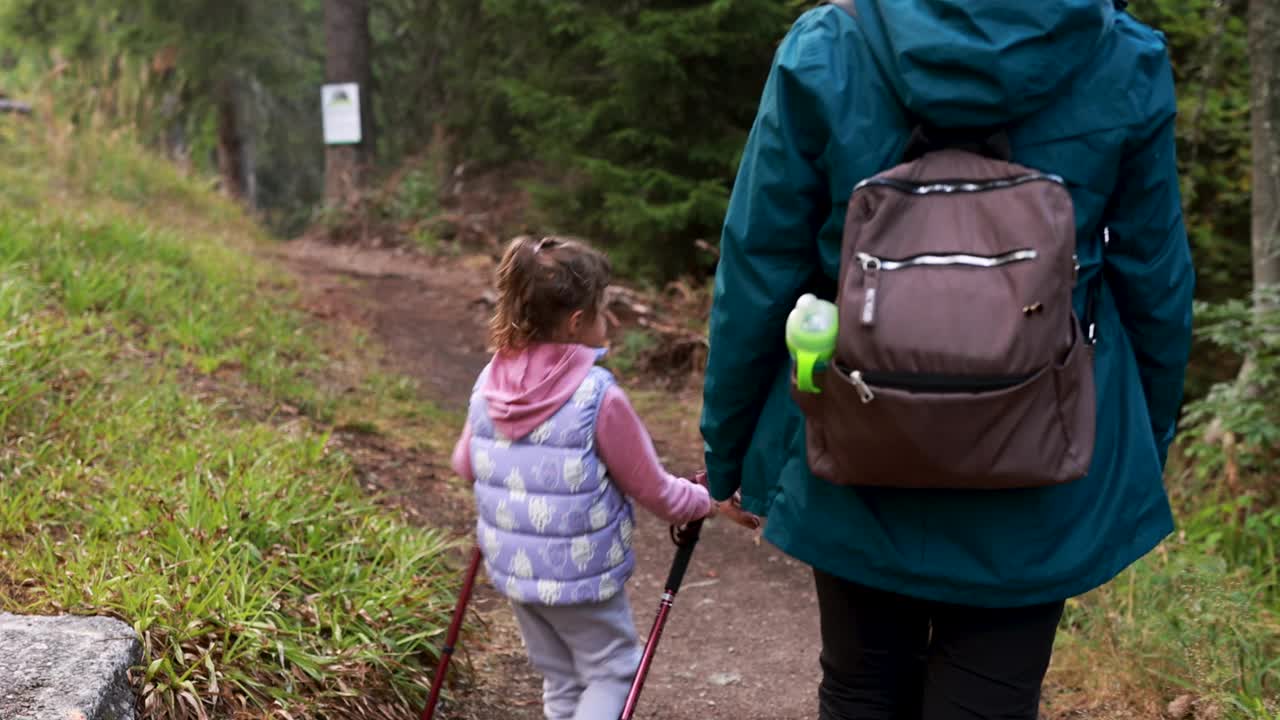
(742, 641)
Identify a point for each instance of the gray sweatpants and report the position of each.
(587, 655)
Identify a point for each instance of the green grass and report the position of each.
(1180, 622)
(258, 574)
(1200, 616)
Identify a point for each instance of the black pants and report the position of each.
(890, 657)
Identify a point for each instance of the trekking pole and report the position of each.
(455, 627)
(685, 539)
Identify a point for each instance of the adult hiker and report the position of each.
(1035, 135)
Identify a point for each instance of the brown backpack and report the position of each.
(959, 361)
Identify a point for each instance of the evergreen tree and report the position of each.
(1207, 44)
(639, 110)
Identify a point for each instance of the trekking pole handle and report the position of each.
(685, 539)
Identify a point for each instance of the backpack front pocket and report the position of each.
(947, 313)
(953, 433)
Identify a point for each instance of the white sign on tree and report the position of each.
(340, 103)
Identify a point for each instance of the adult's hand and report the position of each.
(732, 509)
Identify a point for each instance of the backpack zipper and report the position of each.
(949, 187)
(864, 390)
(934, 260)
(871, 283)
(872, 265)
(924, 382)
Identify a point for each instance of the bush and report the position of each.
(1237, 424)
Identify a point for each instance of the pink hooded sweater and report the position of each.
(527, 388)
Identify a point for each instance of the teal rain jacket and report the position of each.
(1087, 93)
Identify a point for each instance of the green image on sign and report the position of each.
(340, 104)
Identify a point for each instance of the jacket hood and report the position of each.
(975, 63)
(524, 389)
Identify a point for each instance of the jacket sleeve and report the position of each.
(768, 249)
(1148, 262)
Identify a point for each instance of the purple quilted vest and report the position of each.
(553, 528)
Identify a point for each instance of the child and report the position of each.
(556, 454)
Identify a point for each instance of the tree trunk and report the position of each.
(1264, 70)
(346, 27)
(1264, 121)
(230, 141)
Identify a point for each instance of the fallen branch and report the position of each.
(677, 333)
(626, 299)
(461, 222)
(681, 288)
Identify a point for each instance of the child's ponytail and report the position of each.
(540, 283)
